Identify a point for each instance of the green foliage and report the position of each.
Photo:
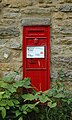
(53, 104)
(10, 98)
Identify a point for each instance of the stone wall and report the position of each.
(12, 12)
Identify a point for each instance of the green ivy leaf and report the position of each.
(1, 108)
(1, 93)
(28, 97)
(18, 84)
(16, 102)
(43, 98)
(11, 88)
(3, 84)
(6, 94)
(49, 93)
(52, 105)
(8, 78)
(21, 118)
(10, 103)
(24, 107)
(36, 109)
(17, 113)
(59, 95)
(31, 106)
(3, 113)
(36, 96)
(3, 103)
(24, 112)
(27, 82)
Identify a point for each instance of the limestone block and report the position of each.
(18, 3)
(13, 44)
(68, 1)
(66, 30)
(65, 1)
(11, 15)
(3, 42)
(51, 6)
(5, 67)
(10, 66)
(41, 1)
(59, 15)
(35, 21)
(64, 41)
(17, 56)
(45, 1)
(61, 1)
(62, 30)
(7, 21)
(36, 10)
(9, 32)
(66, 8)
(69, 15)
(5, 55)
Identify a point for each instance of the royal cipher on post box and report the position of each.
(36, 52)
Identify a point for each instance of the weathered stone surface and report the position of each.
(3, 42)
(17, 56)
(9, 32)
(52, 7)
(11, 66)
(65, 1)
(36, 10)
(61, 1)
(68, 1)
(41, 1)
(7, 22)
(5, 55)
(19, 3)
(64, 62)
(60, 16)
(66, 8)
(5, 67)
(48, 1)
(14, 44)
(63, 30)
(70, 15)
(45, 1)
(36, 21)
(64, 41)
(11, 15)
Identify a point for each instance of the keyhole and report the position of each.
(35, 40)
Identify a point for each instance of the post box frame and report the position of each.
(36, 22)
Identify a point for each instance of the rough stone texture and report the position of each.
(13, 44)
(18, 3)
(5, 54)
(9, 32)
(15, 13)
(66, 8)
(36, 10)
(68, 1)
(36, 21)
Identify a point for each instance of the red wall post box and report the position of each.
(36, 55)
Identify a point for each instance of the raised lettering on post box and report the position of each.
(36, 56)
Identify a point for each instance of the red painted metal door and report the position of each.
(36, 56)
